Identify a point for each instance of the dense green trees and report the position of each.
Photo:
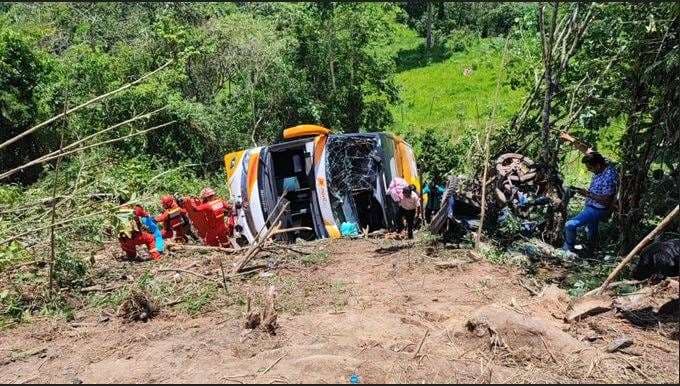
(241, 73)
(618, 90)
(21, 72)
(244, 71)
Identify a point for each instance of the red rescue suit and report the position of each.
(215, 210)
(174, 221)
(138, 237)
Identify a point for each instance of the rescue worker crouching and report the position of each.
(215, 210)
(175, 220)
(133, 233)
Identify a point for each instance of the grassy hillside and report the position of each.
(450, 90)
(438, 94)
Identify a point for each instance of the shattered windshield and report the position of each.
(353, 164)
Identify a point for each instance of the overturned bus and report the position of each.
(328, 179)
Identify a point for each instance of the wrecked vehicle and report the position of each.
(329, 180)
(518, 191)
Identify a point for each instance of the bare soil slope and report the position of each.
(358, 311)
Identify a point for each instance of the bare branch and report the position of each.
(82, 105)
(61, 154)
(62, 150)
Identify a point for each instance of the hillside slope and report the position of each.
(449, 90)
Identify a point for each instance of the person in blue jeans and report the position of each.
(599, 196)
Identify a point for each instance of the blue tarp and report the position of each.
(150, 224)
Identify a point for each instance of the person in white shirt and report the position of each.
(407, 210)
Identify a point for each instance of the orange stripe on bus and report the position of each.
(252, 172)
(319, 144)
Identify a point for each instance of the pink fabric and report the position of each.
(396, 188)
(410, 203)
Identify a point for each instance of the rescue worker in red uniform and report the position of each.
(215, 210)
(134, 235)
(174, 219)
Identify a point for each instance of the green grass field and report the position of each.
(450, 92)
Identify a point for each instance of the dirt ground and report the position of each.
(387, 317)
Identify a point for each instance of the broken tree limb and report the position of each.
(275, 246)
(263, 235)
(273, 364)
(450, 264)
(420, 345)
(203, 248)
(74, 144)
(662, 225)
(80, 149)
(395, 248)
(103, 143)
(189, 272)
(294, 229)
(98, 288)
(257, 247)
(85, 104)
(15, 237)
(615, 284)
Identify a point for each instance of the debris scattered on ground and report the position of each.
(138, 307)
(516, 332)
(591, 305)
(619, 343)
(454, 263)
(267, 319)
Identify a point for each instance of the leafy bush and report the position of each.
(69, 269)
(11, 254)
(11, 307)
(460, 41)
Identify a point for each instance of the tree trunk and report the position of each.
(429, 26)
(547, 36)
(631, 167)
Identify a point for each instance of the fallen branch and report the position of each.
(28, 354)
(36, 262)
(173, 303)
(49, 226)
(43, 160)
(548, 349)
(295, 229)
(395, 248)
(526, 287)
(189, 272)
(85, 104)
(262, 236)
(70, 146)
(637, 369)
(662, 225)
(450, 264)
(273, 364)
(615, 284)
(427, 332)
(203, 248)
(98, 288)
(275, 246)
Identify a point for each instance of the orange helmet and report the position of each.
(166, 201)
(207, 192)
